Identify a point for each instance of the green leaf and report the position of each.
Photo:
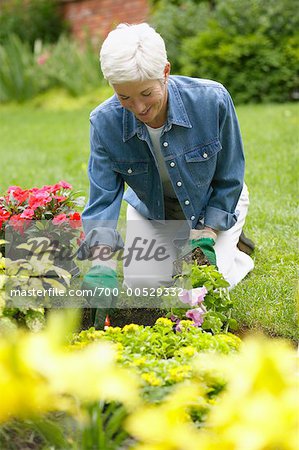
(51, 432)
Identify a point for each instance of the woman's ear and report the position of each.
(167, 70)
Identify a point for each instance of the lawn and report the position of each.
(48, 140)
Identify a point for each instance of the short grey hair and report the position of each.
(133, 53)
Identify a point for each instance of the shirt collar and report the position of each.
(177, 114)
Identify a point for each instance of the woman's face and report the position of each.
(147, 100)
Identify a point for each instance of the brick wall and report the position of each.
(96, 18)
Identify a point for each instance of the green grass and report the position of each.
(48, 140)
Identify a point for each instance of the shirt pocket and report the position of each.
(135, 174)
(201, 162)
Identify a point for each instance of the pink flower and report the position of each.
(17, 223)
(39, 198)
(196, 315)
(198, 295)
(65, 185)
(60, 198)
(193, 297)
(61, 218)
(42, 59)
(27, 214)
(18, 193)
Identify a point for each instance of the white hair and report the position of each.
(133, 53)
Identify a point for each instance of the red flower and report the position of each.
(20, 195)
(75, 220)
(17, 223)
(40, 198)
(27, 214)
(60, 198)
(4, 215)
(61, 218)
(65, 185)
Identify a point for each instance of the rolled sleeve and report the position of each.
(219, 220)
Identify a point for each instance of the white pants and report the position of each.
(155, 272)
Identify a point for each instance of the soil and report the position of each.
(196, 255)
(122, 317)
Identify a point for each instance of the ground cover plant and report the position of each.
(42, 144)
(123, 390)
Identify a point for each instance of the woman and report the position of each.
(176, 142)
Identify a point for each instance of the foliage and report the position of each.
(176, 23)
(192, 405)
(249, 46)
(263, 384)
(24, 72)
(31, 20)
(209, 296)
(161, 356)
(20, 77)
(67, 65)
(37, 377)
(251, 66)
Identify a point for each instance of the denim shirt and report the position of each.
(202, 148)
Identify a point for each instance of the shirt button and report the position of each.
(172, 164)
(179, 183)
(205, 155)
(130, 170)
(165, 144)
(187, 202)
(192, 217)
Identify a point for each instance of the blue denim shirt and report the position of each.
(202, 148)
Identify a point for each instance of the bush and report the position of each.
(31, 20)
(249, 46)
(178, 22)
(20, 77)
(25, 73)
(73, 68)
(251, 66)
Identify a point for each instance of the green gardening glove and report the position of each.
(99, 288)
(206, 245)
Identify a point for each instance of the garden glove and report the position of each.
(101, 282)
(205, 241)
(202, 249)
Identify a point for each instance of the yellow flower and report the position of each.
(2, 281)
(139, 362)
(132, 327)
(166, 426)
(188, 351)
(113, 330)
(151, 379)
(39, 373)
(259, 409)
(164, 322)
(179, 373)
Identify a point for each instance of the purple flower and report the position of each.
(194, 296)
(196, 315)
(198, 295)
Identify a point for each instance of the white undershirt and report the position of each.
(155, 134)
(173, 209)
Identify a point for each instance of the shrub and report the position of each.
(178, 22)
(249, 46)
(25, 73)
(20, 78)
(251, 66)
(73, 68)
(31, 20)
